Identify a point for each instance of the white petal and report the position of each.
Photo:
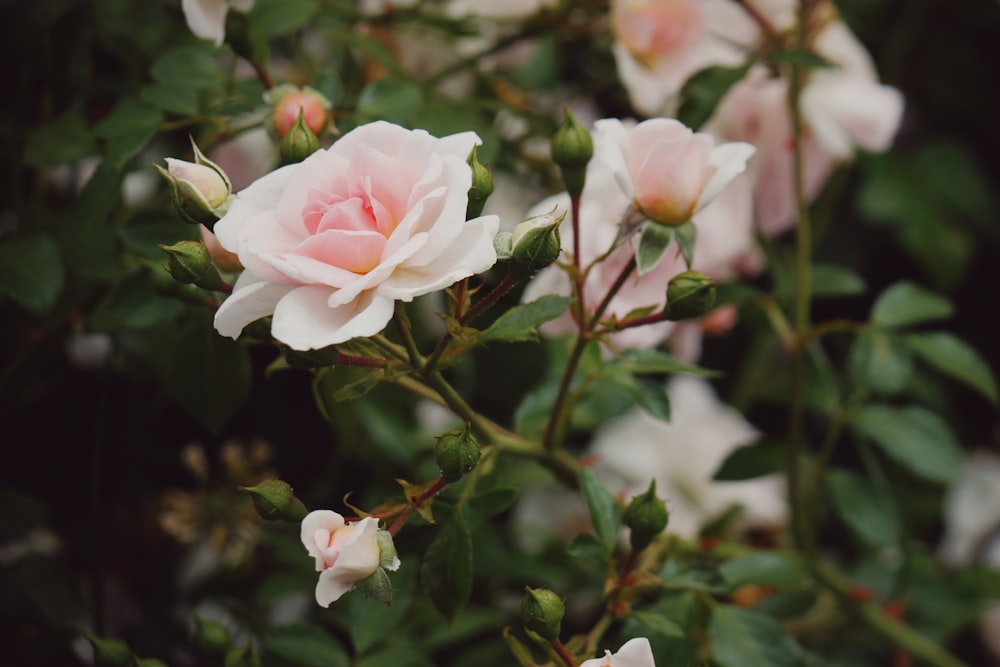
(206, 18)
(303, 319)
(729, 160)
(251, 300)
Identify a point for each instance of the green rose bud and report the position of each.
(535, 242)
(482, 187)
(274, 501)
(572, 149)
(376, 586)
(542, 612)
(211, 638)
(299, 143)
(110, 652)
(200, 190)
(189, 262)
(646, 516)
(456, 453)
(689, 295)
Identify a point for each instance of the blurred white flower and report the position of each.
(207, 18)
(683, 455)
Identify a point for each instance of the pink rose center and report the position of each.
(330, 543)
(347, 229)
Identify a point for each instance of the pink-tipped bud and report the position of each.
(314, 111)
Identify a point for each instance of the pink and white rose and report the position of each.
(345, 553)
(633, 653)
(660, 44)
(725, 234)
(331, 243)
(669, 172)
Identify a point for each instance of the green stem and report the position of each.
(898, 633)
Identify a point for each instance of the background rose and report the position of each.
(633, 653)
(331, 243)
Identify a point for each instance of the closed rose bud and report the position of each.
(646, 516)
(200, 190)
(542, 612)
(298, 143)
(572, 148)
(274, 501)
(689, 295)
(189, 262)
(535, 242)
(312, 106)
(456, 454)
(482, 187)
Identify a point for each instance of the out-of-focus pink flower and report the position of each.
(344, 553)
(207, 18)
(669, 172)
(633, 653)
(725, 237)
(683, 455)
(492, 9)
(662, 43)
(329, 244)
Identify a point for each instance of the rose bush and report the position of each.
(330, 244)
(345, 553)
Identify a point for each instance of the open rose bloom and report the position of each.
(330, 244)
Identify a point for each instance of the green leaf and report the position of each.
(191, 66)
(305, 644)
(686, 236)
(175, 98)
(764, 458)
(65, 138)
(277, 18)
(134, 304)
(905, 304)
(372, 622)
(648, 361)
(391, 100)
(833, 280)
(659, 624)
(520, 322)
(878, 360)
(650, 395)
(605, 513)
(863, 509)
(128, 130)
(957, 359)
(800, 57)
(702, 92)
(744, 638)
(31, 271)
(492, 502)
(765, 568)
(915, 437)
(446, 570)
(587, 547)
(654, 239)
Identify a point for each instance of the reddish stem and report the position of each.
(563, 653)
(357, 360)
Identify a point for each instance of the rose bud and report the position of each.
(535, 241)
(456, 453)
(189, 262)
(482, 187)
(572, 148)
(646, 516)
(200, 189)
(689, 295)
(309, 103)
(299, 142)
(376, 586)
(542, 612)
(274, 501)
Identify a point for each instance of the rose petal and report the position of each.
(304, 320)
(252, 299)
